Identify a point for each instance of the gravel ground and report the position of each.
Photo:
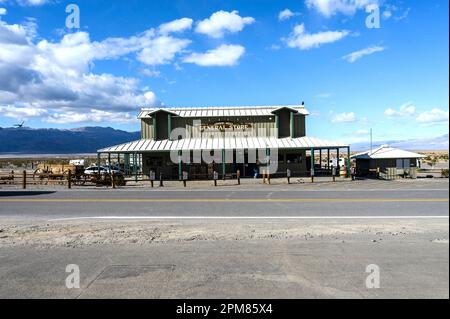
(82, 234)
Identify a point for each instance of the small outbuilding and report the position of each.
(387, 162)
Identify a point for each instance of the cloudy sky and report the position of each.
(130, 54)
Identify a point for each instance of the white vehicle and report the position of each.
(95, 170)
(102, 170)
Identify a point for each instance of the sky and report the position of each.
(357, 64)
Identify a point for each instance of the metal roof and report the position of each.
(227, 143)
(226, 111)
(386, 152)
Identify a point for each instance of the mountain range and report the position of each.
(90, 139)
(58, 141)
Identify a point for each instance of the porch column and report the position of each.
(180, 168)
(320, 160)
(135, 167)
(223, 164)
(312, 159)
(328, 159)
(348, 161)
(338, 158)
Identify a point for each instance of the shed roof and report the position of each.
(386, 152)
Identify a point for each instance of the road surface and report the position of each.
(272, 242)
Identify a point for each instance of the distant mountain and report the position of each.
(57, 141)
(439, 143)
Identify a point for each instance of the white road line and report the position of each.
(246, 190)
(243, 217)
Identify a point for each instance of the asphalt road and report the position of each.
(413, 256)
(41, 205)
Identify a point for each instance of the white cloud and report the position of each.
(407, 109)
(3, 12)
(221, 22)
(176, 26)
(286, 14)
(387, 14)
(96, 116)
(150, 73)
(162, 50)
(344, 118)
(32, 3)
(224, 55)
(22, 113)
(404, 15)
(435, 116)
(362, 132)
(329, 8)
(324, 95)
(354, 56)
(47, 79)
(299, 38)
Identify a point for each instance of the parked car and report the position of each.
(95, 170)
(92, 170)
(114, 168)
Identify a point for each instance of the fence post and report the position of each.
(24, 180)
(185, 177)
(215, 177)
(69, 179)
(312, 175)
(238, 177)
(113, 179)
(161, 182)
(152, 177)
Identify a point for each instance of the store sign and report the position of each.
(225, 126)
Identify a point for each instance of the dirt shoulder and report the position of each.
(81, 234)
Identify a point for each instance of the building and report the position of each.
(201, 141)
(386, 158)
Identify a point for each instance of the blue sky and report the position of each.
(127, 54)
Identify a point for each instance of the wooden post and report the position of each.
(238, 177)
(69, 179)
(215, 178)
(161, 182)
(268, 176)
(24, 180)
(264, 176)
(185, 178)
(113, 179)
(152, 177)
